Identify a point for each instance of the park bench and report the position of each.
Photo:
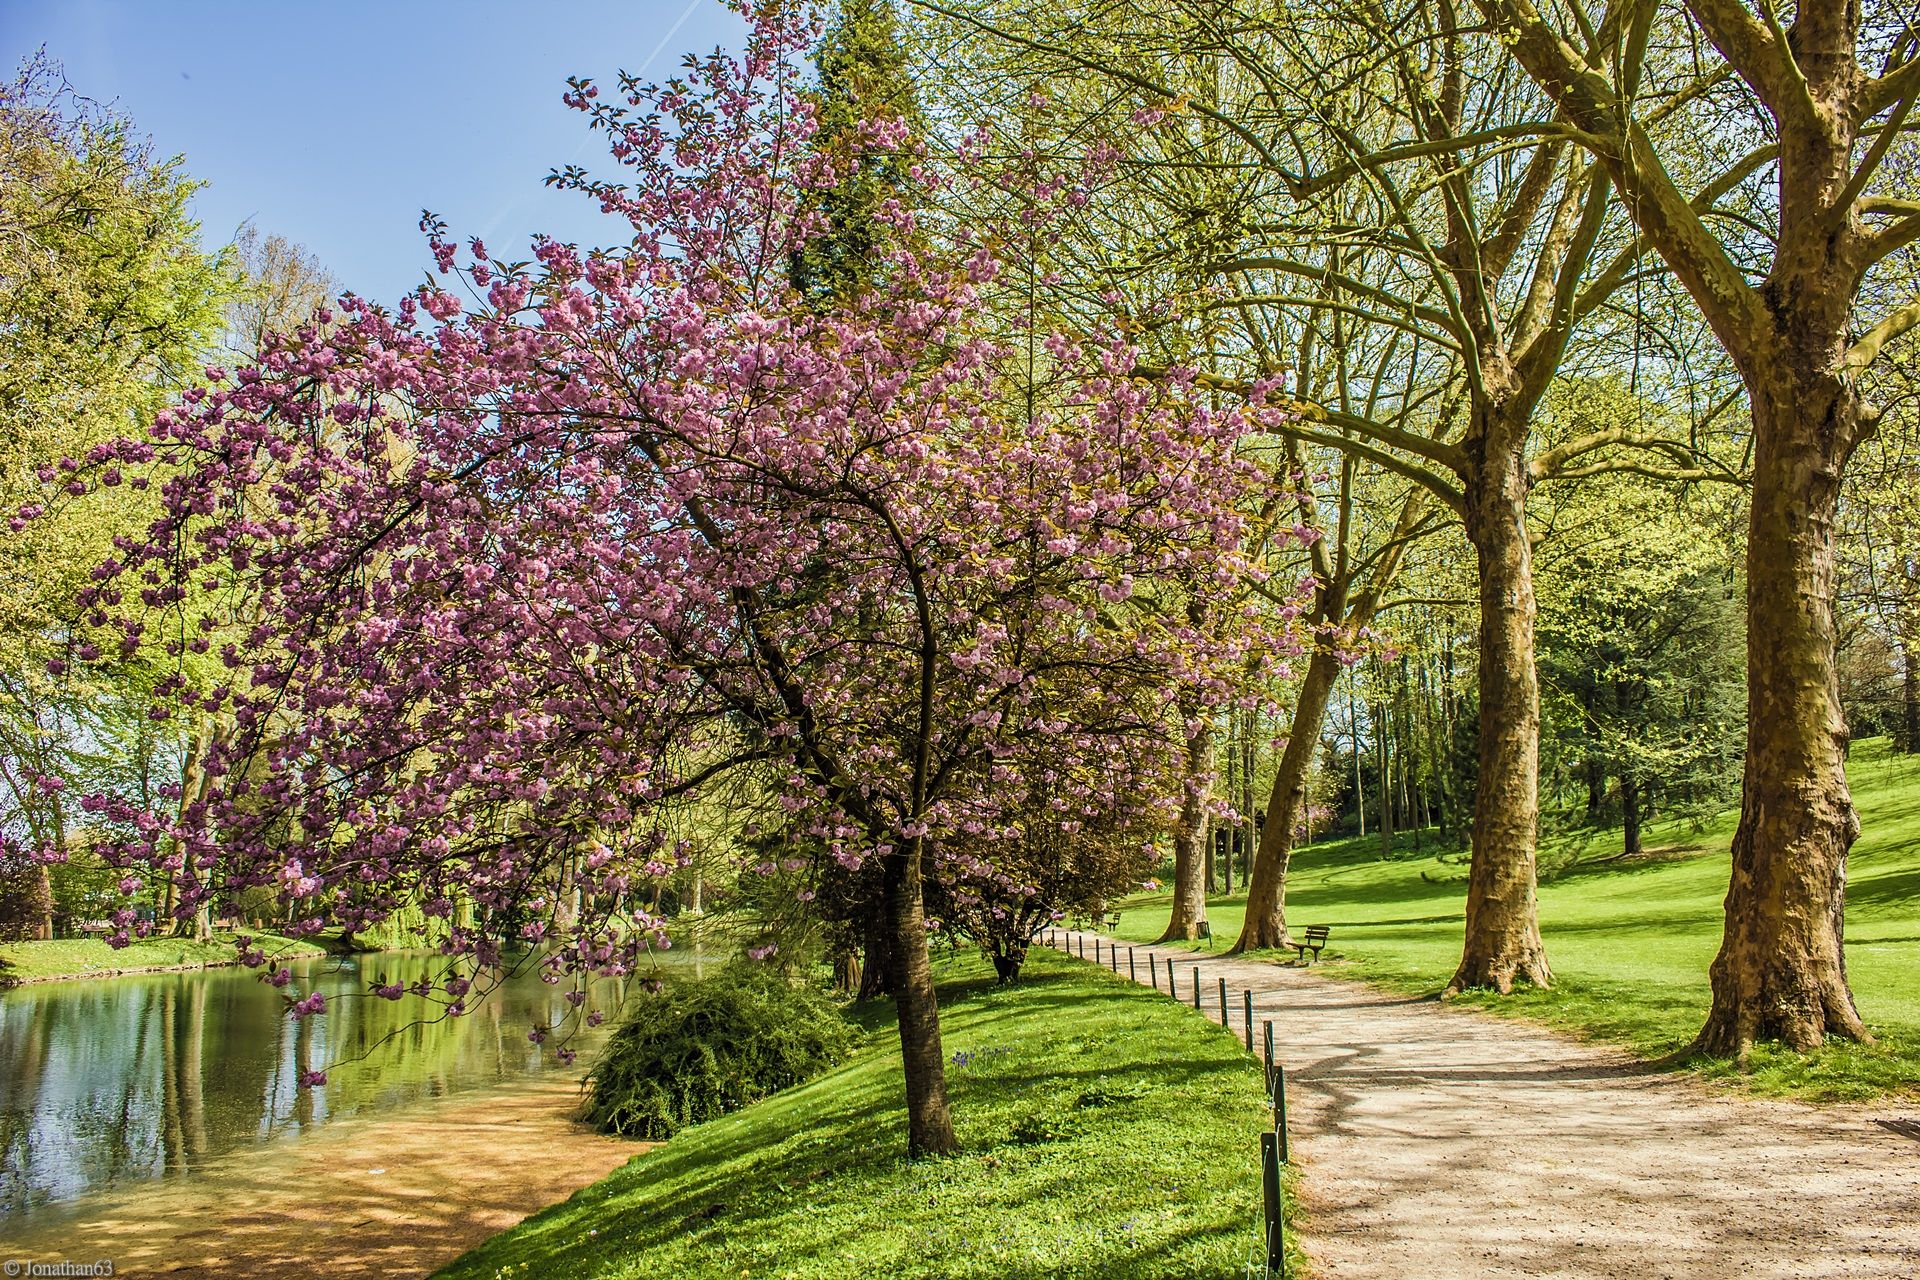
(1113, 923)
(1314, 941)
(87, 928)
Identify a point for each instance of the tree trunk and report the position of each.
(1386, 784)
(1008, 957)
(43, 877)
(43, 892)
(846, 971)
(1266, 920)
(878, 970)
(1244, 799)
(1910, 721)
(1781, 972)
(1192, 852)
(929, 1124)
(1503, 921)
(1401, 782)
(1630, 816)
(1359, 790)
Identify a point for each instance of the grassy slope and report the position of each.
(1108, 1133)
(1630, 943)
(93, 958)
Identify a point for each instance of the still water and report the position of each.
(108, 1082)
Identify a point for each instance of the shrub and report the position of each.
(700, 1049)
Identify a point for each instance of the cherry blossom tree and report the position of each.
(496, 579)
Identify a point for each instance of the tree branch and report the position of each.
(1873, 341)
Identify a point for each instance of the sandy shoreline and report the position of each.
(395, 1195)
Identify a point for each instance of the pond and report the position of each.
(108, 1082)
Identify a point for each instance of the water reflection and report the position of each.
(107, 1082)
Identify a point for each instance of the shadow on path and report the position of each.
(1437, 1141)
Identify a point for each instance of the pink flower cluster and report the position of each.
(498, 578)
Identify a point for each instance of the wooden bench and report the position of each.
(1113, 924)
(1314, 941)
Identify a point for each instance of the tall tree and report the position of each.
(1641, 648)
(1435, 198)
(863, 81)
(1823, 94)
(539, 564)
(107, 304)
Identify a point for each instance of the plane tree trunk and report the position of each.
(1266, 919)
(1503, 944)
(1781, 972)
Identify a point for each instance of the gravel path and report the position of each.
(1436, 1141)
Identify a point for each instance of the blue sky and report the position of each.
(335, 124)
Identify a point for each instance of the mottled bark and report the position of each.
(1503, 944)
(1781, 972)
(1798, 343)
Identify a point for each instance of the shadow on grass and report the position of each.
(1108, 1141)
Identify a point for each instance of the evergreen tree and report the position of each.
(863, 79)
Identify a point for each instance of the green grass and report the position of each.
(1107, 1132)
(93, 958)
(1629, 942)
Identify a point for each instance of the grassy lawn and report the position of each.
(92, 957)
(1108, 1133)
(1630, 942)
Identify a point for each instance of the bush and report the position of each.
(697, 1050)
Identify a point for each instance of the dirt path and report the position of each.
(1439, 1142)
(392, 1196)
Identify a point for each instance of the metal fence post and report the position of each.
(1133, 974)
(1275, 1223)
(1196, 986)
(1268, 1027)
(1224, 1020)
(1280, 1109)
(1247, 997)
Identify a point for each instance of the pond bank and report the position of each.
(384, 1195)
(1105, 1134)
(75, 959)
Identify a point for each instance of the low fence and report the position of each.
(1267, 1259)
